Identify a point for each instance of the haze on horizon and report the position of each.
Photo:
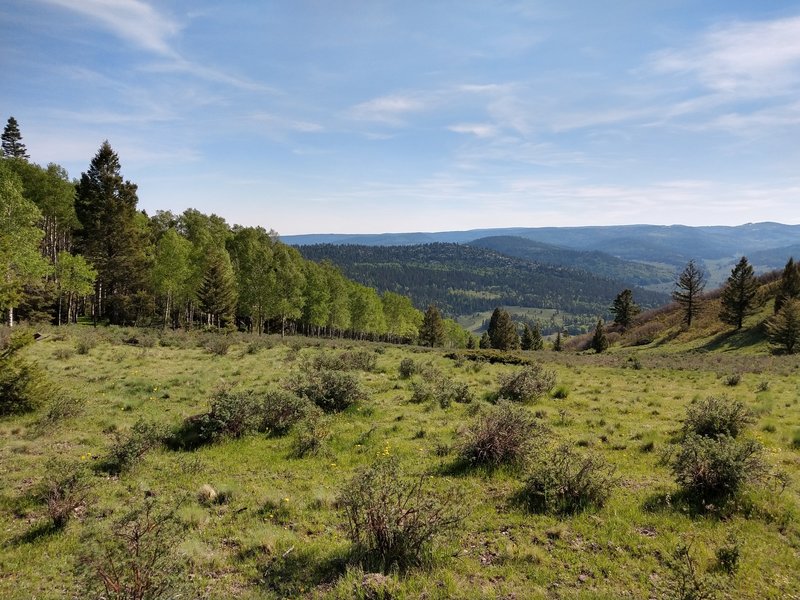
(372, 117)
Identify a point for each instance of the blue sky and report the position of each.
(340, 116)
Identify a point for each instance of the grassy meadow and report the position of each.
(253, 517)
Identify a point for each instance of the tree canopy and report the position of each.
(688, 291)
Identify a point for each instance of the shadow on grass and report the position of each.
(37, 532)
(685, 503)
(462, 467)
(297, 571)
(735, 340)
(190, 435)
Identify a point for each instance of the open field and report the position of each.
(277, 528)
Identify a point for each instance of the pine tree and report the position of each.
(432, 332)
(531, 338)
(485, 343)
(783, 328)
(557, 345)
(740, 295)
(688, 291)
(624, 309)
(217, 293)
(113, 235)
(502, 331)
(12, 141)
(599, 339)
(471, 344)
(789, 287)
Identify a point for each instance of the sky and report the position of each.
(345, 116)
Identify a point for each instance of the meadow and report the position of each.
(262, 515)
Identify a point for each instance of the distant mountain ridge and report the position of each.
(671, 245)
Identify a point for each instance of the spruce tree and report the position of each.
(740, 295)
(599, 339)
(624, 309)
(432, 332)
(217, 293)
(688, 291)
(531, 338)
(557, 345)
(502, 331)
(783, 329)
(485, 343)
(12, 141)
(789, 287)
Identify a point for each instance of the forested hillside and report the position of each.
(464, 279)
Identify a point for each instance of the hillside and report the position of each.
(463, 279)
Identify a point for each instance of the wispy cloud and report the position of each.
(134, 21)
(279, 123)
(481, 130)
(390, 109)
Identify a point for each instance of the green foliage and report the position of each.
(502, 331)
(783, 329)
(130, 447)
(332, 391)
(565, 482)
(431, 332)
(789, 287)
(391, 518)
(531, 338)
(714, 470)
(505, 434)
(599, 339)
(716, 416)
(281, 410)
(728, 555)
(624, 309)
(171, 271)
(24, 386)
(407, 368)
(485, 342)
(232, 415)
(686, 580)
(357, 359)
(689, 291)
(76, 280)
(217, 292)
(403, 321)
(558, 343)
(310, 434)
(740, 295)
(12, 141)
(527, 384)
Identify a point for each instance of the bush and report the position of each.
(528, 384)
(281, 409)
(130, 447)
(60, 407)
(23, 385)
(310, 434)
(216, 343)
(716, 416)
(232, 414)
(407, 368)
(565, 482)
(392, 519)
(332, 391)
(64, 488)
(350, 360)
(504, 434)
(733, 380)
(714, 470)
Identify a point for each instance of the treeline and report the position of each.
(81, 248)
(464, 279)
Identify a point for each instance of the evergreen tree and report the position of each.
(740, 295)
(624, 309)
(485, 342)
(531, 338)
(688, 291)
(789, 287)
(783, 328)
(12, 141)
(217, 293)
(502, 331)
(113, 235)
(471, 345)
(599, 339)
(432, 332)
(558, 344)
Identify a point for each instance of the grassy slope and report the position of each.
(282, 503)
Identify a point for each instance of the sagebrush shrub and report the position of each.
(332, 391)
(392, 519)
(233, 414)
(565, 482)
(64, 488)
(527, 384)
(717, 416)
(714, 470)
(129, 447)
(311, 434)
(359, 359)
(281, 409)
(407, 368)
(504, 434)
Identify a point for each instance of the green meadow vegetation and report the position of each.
(153, 464)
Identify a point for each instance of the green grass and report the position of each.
(279, 532)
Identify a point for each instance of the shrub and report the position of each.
(23, 385)
(310, 434)
(350, 360)
(733, 380)
(686, 580)
(130, 447)
(714, 470)
(565, 482)
(133, 560)
(281, 409)
(504, 434)
(391, 519)
(216, 343)
(728, 555)
(561, 392)
(60, 407)
(233, 414)
(407, 368)
(716, 416)
(332, 391)
(528, 384)
(64, 488)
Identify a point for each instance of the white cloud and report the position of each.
(276, 122)
(133, 20)
(481, 130)
(389, 109)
